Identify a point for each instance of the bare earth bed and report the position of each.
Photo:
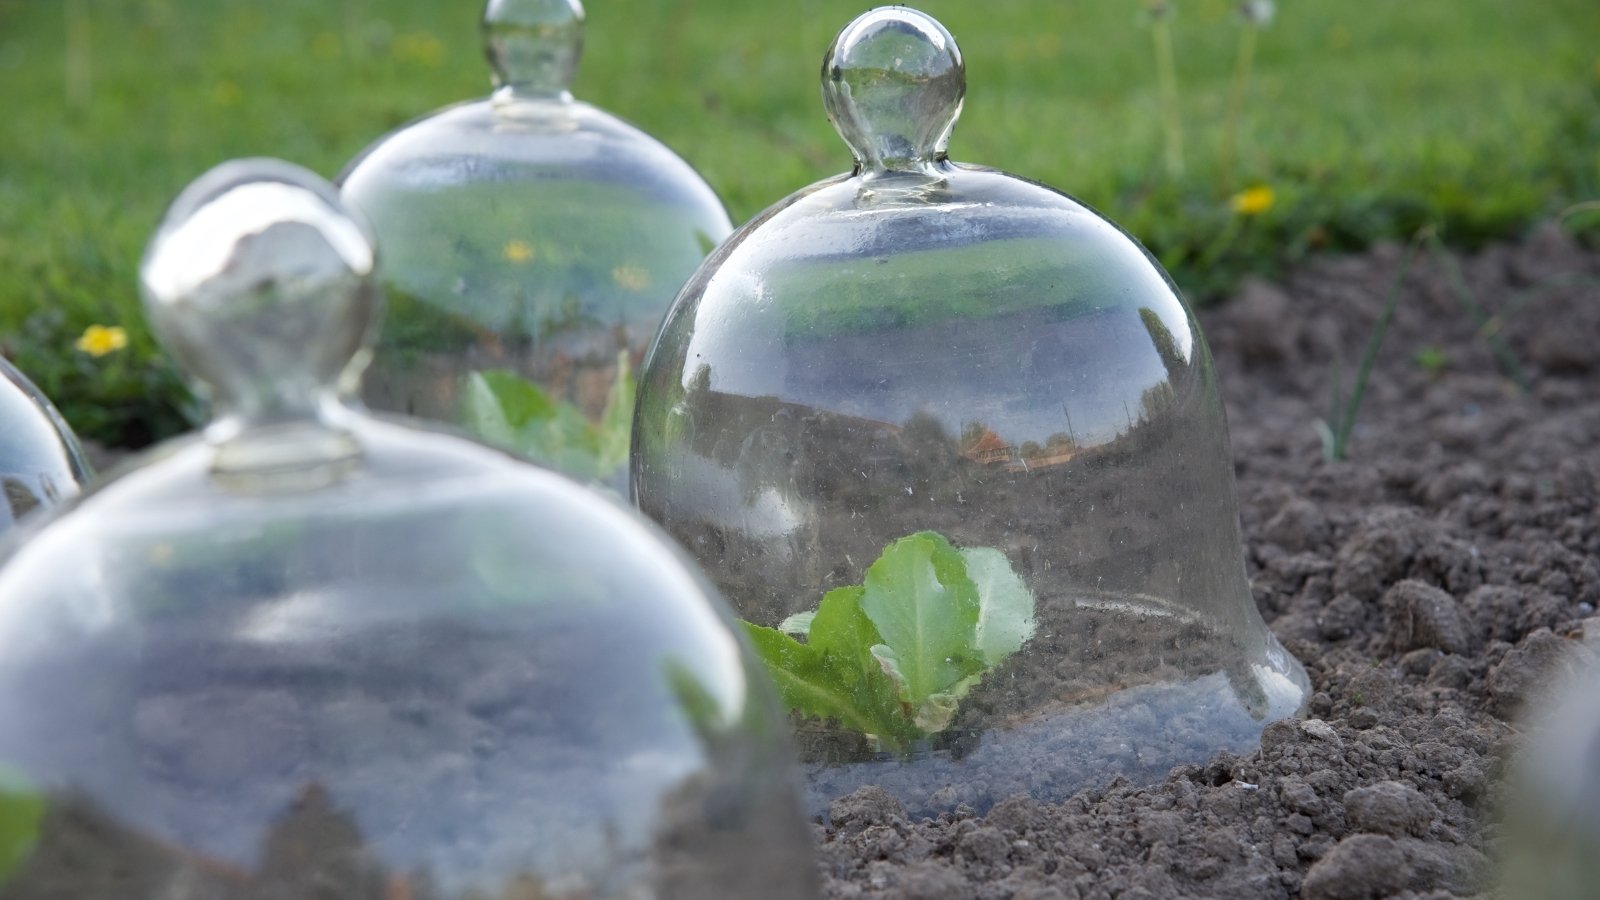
(1432, 585)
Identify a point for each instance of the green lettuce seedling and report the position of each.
(893, 656)
(510, 411)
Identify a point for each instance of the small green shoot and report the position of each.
(1488, 326)
(1432, 359)
(21, 810)
(1545, 284)
(1335, 431)
(893, 657)
(507, 410)
(1583, 214)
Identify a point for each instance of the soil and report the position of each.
(1433, 584)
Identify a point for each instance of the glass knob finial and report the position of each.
(533, 46)
(260, 282)
(893, 82)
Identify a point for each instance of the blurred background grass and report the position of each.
(1364, 121)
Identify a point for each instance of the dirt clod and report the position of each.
(865, 808)
(1360, 867)
(1529, 669)
(1389, 807)
(1423, 617)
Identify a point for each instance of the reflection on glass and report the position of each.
(311, 653)
(930, 352)
(41, 463)
(531, 244)
(1552, 811)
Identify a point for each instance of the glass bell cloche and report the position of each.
(952, 442)
(532, 244)
(41, 463)
(310, 653)
(1551, 850)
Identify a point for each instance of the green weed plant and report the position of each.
(1345, 403)
(1335, 431)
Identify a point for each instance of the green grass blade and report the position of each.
(1488, 327)
(1347, 421)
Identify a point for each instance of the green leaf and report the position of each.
(888, 662)
(482, 412)
(798, 624)
(925, 608)
(814, 680)
(697, 704)
(848, 640)
(21, 810)
(933, 713)
(500, 399)
(841, 627)
(506, 409)
(1005, 605)
(805, 681)
(894, 658)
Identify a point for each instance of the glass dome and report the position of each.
(1553, 805)
(41, 463)
(531, 243)
(953, 442)
(313, 653)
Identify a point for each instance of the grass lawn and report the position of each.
(1366, 121)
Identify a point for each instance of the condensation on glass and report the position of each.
(41, 463)
(1552, 806)
(311, 653)
(925, 354)
(532, 236)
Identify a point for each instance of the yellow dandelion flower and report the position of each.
(98, 340)
(517, 251)
(1252, 201)
(630, 278)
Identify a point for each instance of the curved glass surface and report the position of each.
(952, 443)
(532, 244)
(1552, 812)
(41, 463)
(311, 653)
